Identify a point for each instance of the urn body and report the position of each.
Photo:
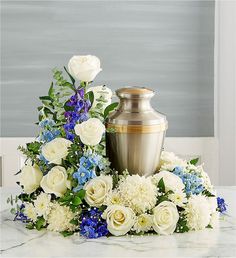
(135, 133)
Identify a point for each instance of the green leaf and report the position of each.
(207, 193)
(40, 223)
(76, 201)
(51, 91)
(30, 226)
(74, 222)
(66, 233)
(110, 108)
(209, 226)
(81, 194)
(33, 147)
(45, 98)
(90, 95)
(161, 185)
(71, 77)
(194, 161)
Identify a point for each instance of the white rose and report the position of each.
(101, 93)
(30, 178)
(165, 218)
(56, 150)
(119, 219)
(84, 68)
(56, 181)
(90, 131)
(97, 190)
(171, 181)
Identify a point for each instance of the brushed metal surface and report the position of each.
(167, 45)
(136, 143)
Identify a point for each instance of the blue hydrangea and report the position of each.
(221, 204)
(193, 183)
(92, 225)
(48, 130)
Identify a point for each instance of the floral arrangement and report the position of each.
(69, 187)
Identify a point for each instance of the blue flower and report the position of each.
(221, 205)
(92, 225)
(46, 122)
(49, 135)
(193, 183)
(20, 215)
(82, 175)
(79, 112)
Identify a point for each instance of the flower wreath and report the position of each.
(68, 185)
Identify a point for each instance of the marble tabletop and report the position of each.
(16, 241)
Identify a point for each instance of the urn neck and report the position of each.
(135, 99)
(134, 105)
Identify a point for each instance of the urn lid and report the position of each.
(135, 92)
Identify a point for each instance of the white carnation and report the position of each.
(30, 211)
(178, 198)
(59, 218)
(198, 212)
(169, 161)
(43, 204)
(171, 181)
(138, 192)
(113, 197)
(143, 223)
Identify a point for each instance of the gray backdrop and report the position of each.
(165, 45)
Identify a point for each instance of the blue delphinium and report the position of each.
(193, 183)
(92, 225)
(79, 112)
(221, 205)
(48, 130)
(85, 172)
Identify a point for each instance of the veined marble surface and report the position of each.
(16, 241)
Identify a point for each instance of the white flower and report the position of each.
(84, 68)
(113, 197)
(214, 221)
(178, 198)
(171, 181)
(197, 212)
(119, 219)
(102, 95)
(143, 223)
(90, 131)
(56, 150)
(43, 204)
(30, 178)
(138, 192)
(59, 218)
(212, 203)
(30, 211)
(165, 218)
(55, 181)
(97, 189)
(169, 161)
